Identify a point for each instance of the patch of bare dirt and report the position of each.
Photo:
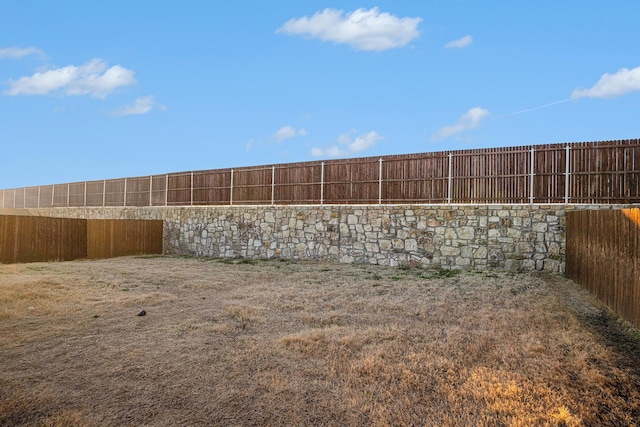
(284, 343)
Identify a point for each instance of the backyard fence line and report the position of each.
(588, 172)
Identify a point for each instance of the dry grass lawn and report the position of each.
(282, 343)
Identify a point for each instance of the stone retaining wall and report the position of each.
(514, 237)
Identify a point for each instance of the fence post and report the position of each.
(85, 194)
(450, 179)
(150, 190)
(53, 194)
(231, 190)
(125, 192)
(104, 193)
(322, 184)
(567, 174)
(380, 182)
(191, 195)
(166, 190)
(273, 177)
(531, 196)
(38, 197)
(68, 193)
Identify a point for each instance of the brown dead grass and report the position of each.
(284, 343)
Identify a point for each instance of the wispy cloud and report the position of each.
(17, 53)
(141, 105)
(612, 85)
(93, 78)
(460, 43)
(287, 132)
(348, 145)
(469, 120)
(362, 29)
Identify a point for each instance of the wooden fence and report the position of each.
(603, 255)
(36, 239)
(593, 172)
(32, 239)
(109, 238)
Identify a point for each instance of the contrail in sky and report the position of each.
(533, 109)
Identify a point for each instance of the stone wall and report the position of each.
(514, 237)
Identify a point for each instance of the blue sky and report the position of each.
(99, 90)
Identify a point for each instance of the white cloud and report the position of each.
(92, 78)
(469, 120)
(361, 29)
(287, 132)
(612, 85)
(460, 43)
(352, 145)
(363, 142)
(17, 53)
(141, 105)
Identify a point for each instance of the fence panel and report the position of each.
(18, 198)
(138, 191)
(34, 239)
(212, 187)
(605, 174)
(95, 193)
(77, 192)
(496, 176)
(366, 181)
(112, 238)
(45, 196)
(159, 190)
(298, 184)
(603, 255)
(179, 189)
(419, 179)
(31, 197)
(252, 186)
(60, 195)
(351, 181)
(40, 239)
(114, 192)
(549, 173)
(9, 198)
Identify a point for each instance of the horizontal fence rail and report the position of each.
(588, 172)
(603, 255)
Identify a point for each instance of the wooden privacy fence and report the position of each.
(109, 238)
(603, 255)
(593, 172)
(35, 239)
